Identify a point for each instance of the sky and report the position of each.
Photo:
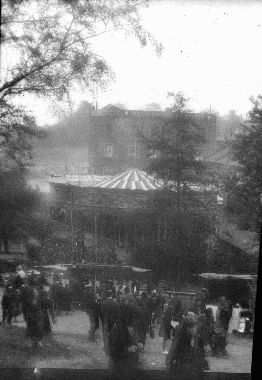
(212, 53)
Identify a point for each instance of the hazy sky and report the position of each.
(212, 52)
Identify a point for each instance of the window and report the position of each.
(154, 153)
(109, 128)
(109, 150)
(132, 131)
(131, 152)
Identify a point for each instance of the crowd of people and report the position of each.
(126, 317)
(26, 295)
(52, 253)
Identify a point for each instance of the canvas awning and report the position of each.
(57, 267)
(247, 241)
(112, 266)
(13, 257)
(140, 270)
(222, 276)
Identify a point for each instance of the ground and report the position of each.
(71, 349)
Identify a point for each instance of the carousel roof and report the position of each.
(131, 179)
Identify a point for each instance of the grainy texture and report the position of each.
(71, 349)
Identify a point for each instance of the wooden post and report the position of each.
(71, 221)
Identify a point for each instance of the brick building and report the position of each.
(114, 146)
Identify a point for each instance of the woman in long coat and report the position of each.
(34, 317)
(166, 328)
(38, 322)
(223, 315)
(186, 357)
(124, 345)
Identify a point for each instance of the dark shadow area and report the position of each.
(48, 374)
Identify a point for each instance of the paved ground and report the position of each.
(70, 349)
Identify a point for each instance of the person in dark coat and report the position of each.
(62, 296)
(39, 307)
(34, 317)
(206, 327)
(123, 344)
(166, 328)
(137, 318)
(19, 279)
(186, 357)
(145, 316)
(91, 306)
(109, 315)
(223, 315)
(178, 309)
(157, 302)
(25, 300)
(199, 307)
(8, 305)
(47, 313)
(145, 301)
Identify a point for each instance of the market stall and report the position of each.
(238, 288)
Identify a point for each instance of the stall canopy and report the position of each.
(131, 179)
(239, 288)
(220, 276)
(112, 266)
(57, 267)
(247, 241)
(140, 270)
(110, 271)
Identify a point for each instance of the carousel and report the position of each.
(110, 214)
(116, 217)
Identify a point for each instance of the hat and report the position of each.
(189, 321)
(223, 302)
(190, 314)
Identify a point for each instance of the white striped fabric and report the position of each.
(132, 179)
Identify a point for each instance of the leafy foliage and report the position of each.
(164, 255)
(16, 204)
(16, 129)
(46, 50)
(174, 147)
(245, 188)
(52, 43)
(174, 150)
(153, 107)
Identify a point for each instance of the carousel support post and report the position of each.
(95, 238)
(95, 249)
(72, 223)
(118, 224)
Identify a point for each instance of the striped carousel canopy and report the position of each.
(131, 179)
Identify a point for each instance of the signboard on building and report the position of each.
(168, 114)
(13, 247)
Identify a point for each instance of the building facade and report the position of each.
(229, 125)
(11, 254)
(114, 144)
